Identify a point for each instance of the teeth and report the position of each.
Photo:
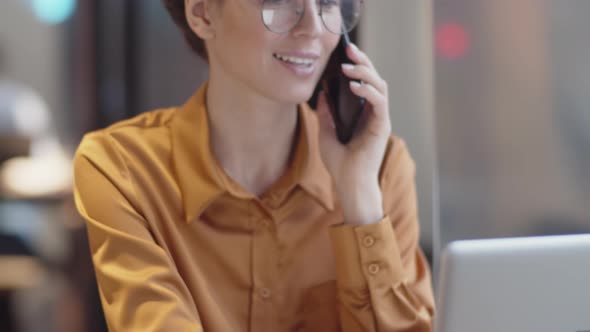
(291, 59)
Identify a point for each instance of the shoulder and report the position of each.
(144, 133)
(117, 161)
(128, 153)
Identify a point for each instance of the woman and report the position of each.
(240, 210)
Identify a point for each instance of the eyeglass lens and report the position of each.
(338, 16)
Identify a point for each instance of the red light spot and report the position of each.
(452, 41)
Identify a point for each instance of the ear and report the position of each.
(198, 16)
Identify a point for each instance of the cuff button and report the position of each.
(374, 269)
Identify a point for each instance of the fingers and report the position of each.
(372, 95)
(366, 75)
(371, 87)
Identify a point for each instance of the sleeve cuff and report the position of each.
(366, 256)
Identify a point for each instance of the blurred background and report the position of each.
(492, 97)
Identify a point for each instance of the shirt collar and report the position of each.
(201, 178)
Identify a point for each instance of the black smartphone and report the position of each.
(346, 107)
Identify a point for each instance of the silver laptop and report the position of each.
(530, 284)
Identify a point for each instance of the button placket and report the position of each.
(262, 219)
(265, 293)
(368, 241)
(264, 271)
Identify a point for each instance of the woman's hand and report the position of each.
(355, 166)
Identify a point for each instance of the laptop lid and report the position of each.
(530, 284)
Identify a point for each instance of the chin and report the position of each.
(296, 94)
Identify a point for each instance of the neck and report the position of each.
(251, 136)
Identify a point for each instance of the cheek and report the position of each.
(248, 37)
(330, 42)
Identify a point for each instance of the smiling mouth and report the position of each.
(306, 62)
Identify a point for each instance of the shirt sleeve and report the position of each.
(140, 288)
(383, 278)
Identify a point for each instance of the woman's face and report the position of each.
(281, 67)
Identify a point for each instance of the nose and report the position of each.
(311, 22)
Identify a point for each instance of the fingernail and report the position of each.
(355, 84)
(347, 66)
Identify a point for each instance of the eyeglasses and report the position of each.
(338, 16)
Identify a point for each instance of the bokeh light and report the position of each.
(53, 11)
(452, 41)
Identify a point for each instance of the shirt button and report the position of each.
(265, 293)
(374, 269)
(368, 241)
